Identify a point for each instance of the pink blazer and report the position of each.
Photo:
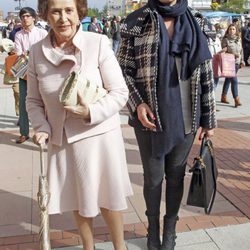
(47, 71)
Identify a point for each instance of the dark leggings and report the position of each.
(172, 165)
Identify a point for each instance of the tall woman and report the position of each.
(231, 43)
(166, 62)
(87, 168)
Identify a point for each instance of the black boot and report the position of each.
(153, 237)
(169, 234)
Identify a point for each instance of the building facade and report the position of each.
(12, 15)
(205, 4)
(1, 16)
(124, 7)
(116, 7)
(200, 4)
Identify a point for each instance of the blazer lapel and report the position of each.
(55, 57)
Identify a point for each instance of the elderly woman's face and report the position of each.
(63, 18)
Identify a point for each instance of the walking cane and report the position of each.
(43, 197)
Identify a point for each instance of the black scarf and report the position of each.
(188, 43)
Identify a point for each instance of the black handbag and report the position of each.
(202, 188)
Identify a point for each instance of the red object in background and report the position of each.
(224, 65)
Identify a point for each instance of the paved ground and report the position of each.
(226, 228)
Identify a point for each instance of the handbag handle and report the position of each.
(208, 142)
(203, 143)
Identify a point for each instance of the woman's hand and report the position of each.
(242, 65)
(40, 138)
(237, 55)
(81, 111)
(208, 133)
(144, 113)
(224, 50)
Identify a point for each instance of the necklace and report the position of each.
(67, 50)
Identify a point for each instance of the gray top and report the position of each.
(234, 46)
(185, 98)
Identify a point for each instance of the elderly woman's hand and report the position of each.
(80, 111)
(40, 138)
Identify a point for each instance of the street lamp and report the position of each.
(19, 4)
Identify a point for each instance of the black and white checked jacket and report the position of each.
(138, 58)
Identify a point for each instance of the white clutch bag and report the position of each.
(89, 91)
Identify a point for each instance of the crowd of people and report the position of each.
(233, 39)
(109, 27)
(159, 64)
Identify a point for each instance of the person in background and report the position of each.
(214, 45)
(246, 44)
(93, 26)
(4, 32)
(9, 79)
(231, 43)
(107, 29)
(10, 27)
(24, 39)
(116, 33)
(17, 27)
(87, 170)
(220, 29)
(167, 66)
(236, 22)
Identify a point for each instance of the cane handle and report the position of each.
(42, 159)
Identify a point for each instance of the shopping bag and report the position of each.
(224, 65)
(9, 79)
(20, 67)
(202, 188)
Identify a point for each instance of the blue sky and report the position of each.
(9, 5)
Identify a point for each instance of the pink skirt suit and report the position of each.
(87, 167)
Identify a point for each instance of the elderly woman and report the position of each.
(87, 168)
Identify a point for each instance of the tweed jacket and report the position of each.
(138, 58)
(46, 74)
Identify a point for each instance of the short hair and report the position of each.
(17, 20)
(235, 20)
(43, 7)
(93, 18)
(29, 10)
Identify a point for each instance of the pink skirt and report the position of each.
(88, 175)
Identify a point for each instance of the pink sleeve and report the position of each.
(18, 46)
(34, 102)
